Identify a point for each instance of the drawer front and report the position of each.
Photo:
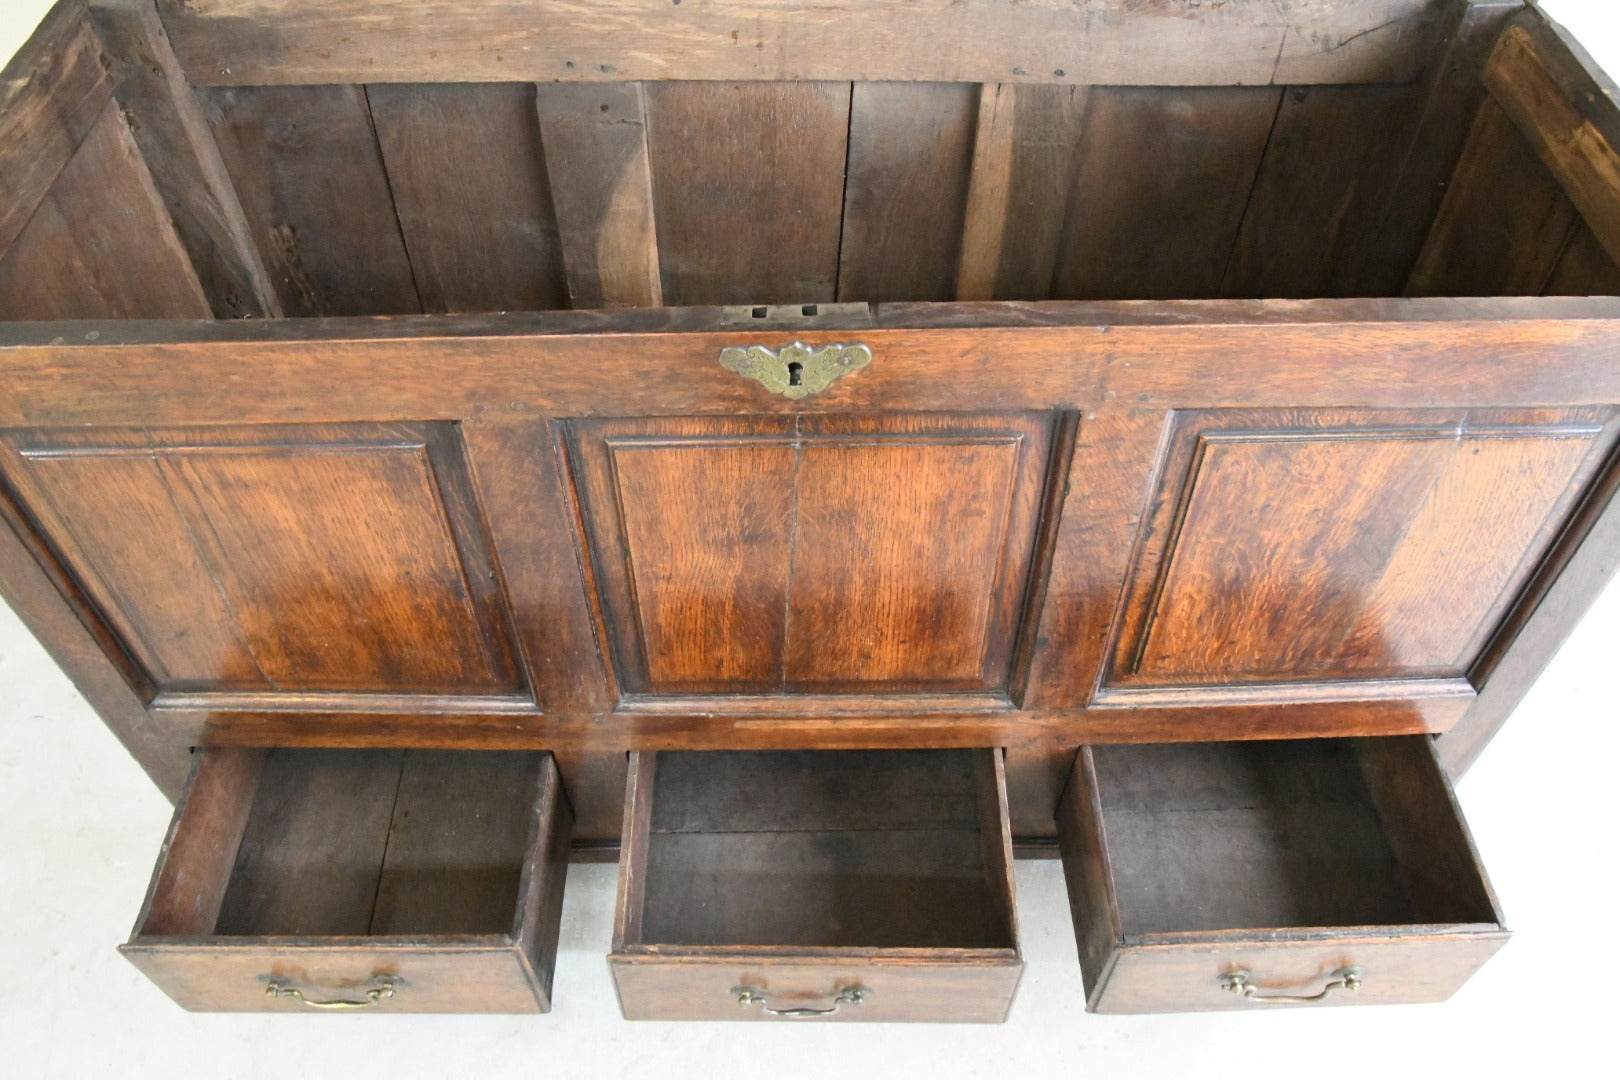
(1261, 875)
(829, 991)
(1261, 975)
(341, 978)
(359, 881)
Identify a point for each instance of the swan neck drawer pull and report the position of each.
(383, 989)
(1237, 982)
(753, 995)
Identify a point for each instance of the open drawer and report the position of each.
(841, 885)
(1236, 875)
(385, 880)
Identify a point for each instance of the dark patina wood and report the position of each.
(491, 496)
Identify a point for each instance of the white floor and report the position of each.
(79, 825)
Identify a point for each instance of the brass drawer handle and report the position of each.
(753, 995)
(1237, 982)
(798, 370)
(383, 989)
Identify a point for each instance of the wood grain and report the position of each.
(890, 597)
(1122, 366)
(255, 42)
(468, 181)
(904, 190)
(1583, 268)
(1389, 249)
(1024, 151)
(86, 254)
(1566, 111)
(748, 186)
(52, 94)
(1164, 178)
(306, 165)
(1334, 156)
(1285, 860)
(708, 538)
(172, 131)
(319, 561)
(456, 846)
(307, 863)
(762, 557)
(765, 861)
(1355, 578)
(1473, 248)
(329, 870)
(601, 184)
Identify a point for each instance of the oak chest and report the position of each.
(812, 454)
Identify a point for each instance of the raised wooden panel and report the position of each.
(268, 560)
(1326, 546)
(782, 555)
(707, 530)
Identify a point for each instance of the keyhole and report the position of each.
(795, 373)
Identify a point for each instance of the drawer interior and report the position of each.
(330, 843)
(859, 849)
(1311, 833)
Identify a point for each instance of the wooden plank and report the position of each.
(1390, 248)
(1332, 161)
(469, 182)
(312, 183)
(1426, 831)
(905, 188)
(1163, 180)
(52, 93)
(601, 183)
(311, 851)
(1023, 169)
(811, 791)
(520, 483)
(88, 253)
(1477, 249)
(431, 975)
(457, 843)
(172, 132)
(1584, 268)
(1565, 108)
(1239, 42)
(1187, 354)
(748, 181)
(194, 864)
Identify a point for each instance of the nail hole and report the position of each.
(795, 373)
(808, 309)
(760, 313)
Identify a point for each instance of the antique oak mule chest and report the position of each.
(807, 452)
